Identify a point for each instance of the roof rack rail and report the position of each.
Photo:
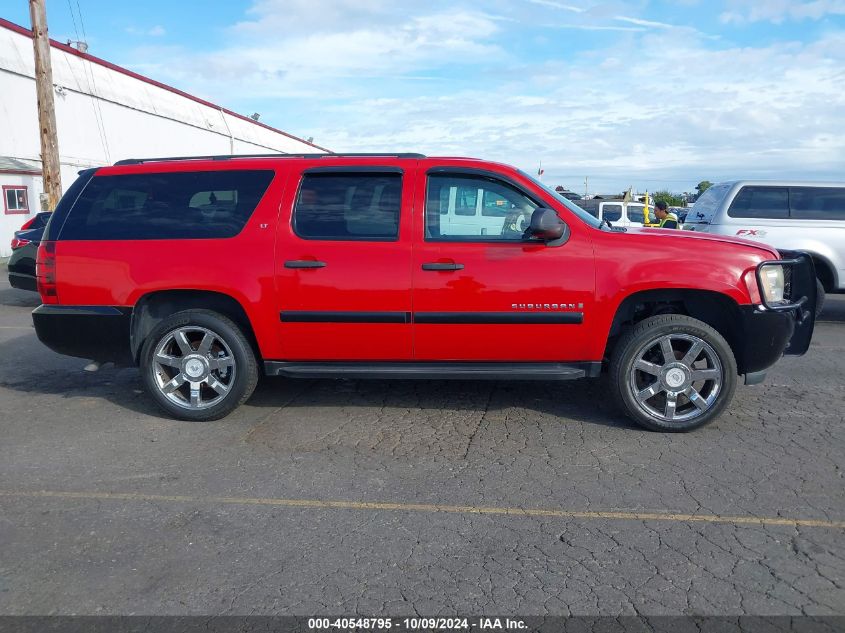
(138, 161)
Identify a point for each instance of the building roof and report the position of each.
(11, 26)
(9, 165)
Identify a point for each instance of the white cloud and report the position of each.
(334, 63)
(717, 114)
(648, 23)
(286, 17)
(778, 11)
(598, 27)
(455, 82)
(156, 31)
(558, 5)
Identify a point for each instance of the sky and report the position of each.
(643, 93)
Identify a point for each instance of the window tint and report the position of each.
(495, 205)
(192, 205)
(612, 212)
(636, 213)
(337, 206)
(760, 202)
(466, 199)
(817, 203)
(505, 212)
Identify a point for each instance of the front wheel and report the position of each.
(197, 365)
(820, 296)
(673, 373)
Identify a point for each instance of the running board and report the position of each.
(434, 371)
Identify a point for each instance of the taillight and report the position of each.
(17, 243)
(28, 224)
(45, 272)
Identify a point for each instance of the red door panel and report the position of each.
(354, 302)
(504, 301)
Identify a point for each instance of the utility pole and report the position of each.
(50, 167)
(586, 186)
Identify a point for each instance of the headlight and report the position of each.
(773, 283)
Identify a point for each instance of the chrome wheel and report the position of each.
(676, 377)
(193, 367)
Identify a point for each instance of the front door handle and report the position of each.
(442, 266)
(304, 263)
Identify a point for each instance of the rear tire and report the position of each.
(672, 373)
(197, 365)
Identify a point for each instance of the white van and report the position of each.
(495, 210)
(622, 213)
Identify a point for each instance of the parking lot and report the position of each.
(351, 497)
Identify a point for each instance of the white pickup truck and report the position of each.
(788, 215)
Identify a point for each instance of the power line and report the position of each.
(92, 85)
(73, 19)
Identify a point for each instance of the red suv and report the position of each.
(205, 271)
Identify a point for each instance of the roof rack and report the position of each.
(138, 161)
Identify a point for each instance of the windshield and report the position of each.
(569, 204)
(705, 207)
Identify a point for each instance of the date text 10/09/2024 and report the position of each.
(414, 624)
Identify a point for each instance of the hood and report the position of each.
(678, 234)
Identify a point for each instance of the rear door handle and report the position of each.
(304, 263)
(442, 266)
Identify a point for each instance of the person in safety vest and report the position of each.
(668, 220)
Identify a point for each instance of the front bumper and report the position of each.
(765, 336)
(770, 331)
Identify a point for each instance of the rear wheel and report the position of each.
(673, 373)
(198, 365)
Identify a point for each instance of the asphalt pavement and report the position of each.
(350, 497)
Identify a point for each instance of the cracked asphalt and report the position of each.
(231, 517)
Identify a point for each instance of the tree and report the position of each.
(671, 199)
(703, 186)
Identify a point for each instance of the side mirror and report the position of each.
(547, 226)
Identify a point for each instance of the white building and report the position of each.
(105, 113)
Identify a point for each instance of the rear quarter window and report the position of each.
(817, 203)
(636, 213)
(612, 212)
(183, 205)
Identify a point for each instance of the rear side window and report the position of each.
(612, 212)
(353, 206)
(636, 213)
(760, 202)
(817, 203)
(184, 205)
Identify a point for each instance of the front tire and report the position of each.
(673, 373)
(820, 297)
(197, 365)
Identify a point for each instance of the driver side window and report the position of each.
(468, 208)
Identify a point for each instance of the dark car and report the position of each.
(24, 249)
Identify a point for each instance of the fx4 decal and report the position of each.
(751, 233)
